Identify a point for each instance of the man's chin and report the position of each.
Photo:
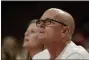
(42, 40)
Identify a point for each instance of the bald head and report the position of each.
(61, 16)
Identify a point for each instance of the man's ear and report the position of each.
(65, 31)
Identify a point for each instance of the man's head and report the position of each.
(31, 36)
(57, 24)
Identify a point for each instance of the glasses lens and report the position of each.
(38, 22)
(46, 22)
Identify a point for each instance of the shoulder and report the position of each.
(42, 55)
(72, 51)
(79, 53)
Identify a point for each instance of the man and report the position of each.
(56, 28)
(31, 42)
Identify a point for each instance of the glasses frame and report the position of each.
(50, 20)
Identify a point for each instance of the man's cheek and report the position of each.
(41, 35)
(49, 32)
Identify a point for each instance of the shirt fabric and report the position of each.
(71, 51)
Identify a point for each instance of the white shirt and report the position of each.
(71, 51)
(42, 55)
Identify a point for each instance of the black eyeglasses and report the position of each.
(47, 22)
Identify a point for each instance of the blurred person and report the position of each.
(56, 28)
(31, 42)
(22, 54)
(79, 38)
(86, 34)
(86, 44)
(9, 48)
(3, 55)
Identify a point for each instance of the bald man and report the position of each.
(56, 28)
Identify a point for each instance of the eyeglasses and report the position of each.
(48, 21)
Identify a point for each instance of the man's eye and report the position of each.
(52, 22)
(47, 21)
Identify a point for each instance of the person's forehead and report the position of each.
(55, 15)
(32, 26)
(49, 14)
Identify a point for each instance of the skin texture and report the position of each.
(56, 35)
(31, 42)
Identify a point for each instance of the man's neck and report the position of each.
(55, 49)
(32, 52)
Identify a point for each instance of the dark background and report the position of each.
(15, 16)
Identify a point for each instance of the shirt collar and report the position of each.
(67, 50)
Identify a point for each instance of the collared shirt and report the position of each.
(71, 51)
(42, 55)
